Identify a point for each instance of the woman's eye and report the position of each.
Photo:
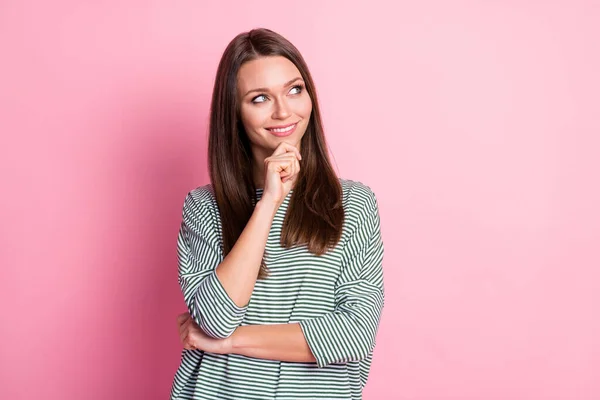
(259, 99)
(262, 98)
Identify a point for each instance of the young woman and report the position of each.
(280, 261)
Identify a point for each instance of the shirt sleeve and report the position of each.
(198, 256)
(348, 333)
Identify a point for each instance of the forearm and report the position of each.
(282, 342)
(239, 269)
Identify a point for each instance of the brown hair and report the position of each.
(315, 214)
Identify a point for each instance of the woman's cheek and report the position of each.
(251, 118)
(306, 107)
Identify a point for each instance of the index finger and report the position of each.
(284, 147)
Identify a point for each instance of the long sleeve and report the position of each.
(198, 256)
(348, 333)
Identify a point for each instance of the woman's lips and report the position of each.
(286, 130)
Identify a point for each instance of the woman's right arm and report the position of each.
(218, 303)
(238, 271)
(217, 292)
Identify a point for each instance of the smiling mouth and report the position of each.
(282, 128)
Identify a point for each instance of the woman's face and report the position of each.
(274, 104)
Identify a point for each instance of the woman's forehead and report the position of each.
(271, 73)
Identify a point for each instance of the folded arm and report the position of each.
(217, 291)
(346, 334)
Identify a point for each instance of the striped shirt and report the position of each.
(337, 299)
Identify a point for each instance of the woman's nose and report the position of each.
(281, 110)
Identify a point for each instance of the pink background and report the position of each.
(475, 123)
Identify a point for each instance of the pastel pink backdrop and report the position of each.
(475, 123)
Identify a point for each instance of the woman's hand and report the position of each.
(193, 338)
(281, 171)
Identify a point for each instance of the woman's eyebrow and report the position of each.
(266, 90)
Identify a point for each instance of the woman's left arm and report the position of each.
(281, 342)
(343, 335)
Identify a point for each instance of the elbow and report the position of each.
(363, 334)
(213, 311)
(215, 325)
(339, 338)
(219, 331)
(365, 345)
(218, 334)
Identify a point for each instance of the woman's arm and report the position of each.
(281, 342)
(346, 334)
(217, 291)
(239, 269)
(212, 303)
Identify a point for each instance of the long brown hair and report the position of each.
(315, 214)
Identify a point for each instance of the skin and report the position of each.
(281, 100)
(284, 101)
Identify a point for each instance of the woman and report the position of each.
(280, 261)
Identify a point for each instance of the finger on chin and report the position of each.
(284, 147)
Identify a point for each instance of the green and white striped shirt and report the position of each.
(337, 299)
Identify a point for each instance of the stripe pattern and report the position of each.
(337, 298)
